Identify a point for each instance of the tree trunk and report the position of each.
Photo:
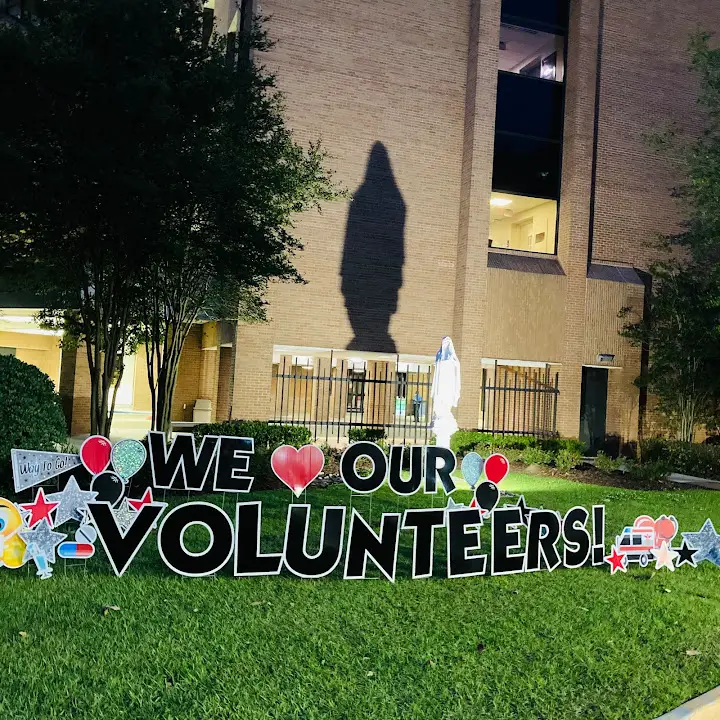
(687, 419)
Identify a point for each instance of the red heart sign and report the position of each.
(297, 468)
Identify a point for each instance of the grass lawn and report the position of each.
(570, 644)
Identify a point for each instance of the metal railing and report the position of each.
(331, 398)
(519, 401)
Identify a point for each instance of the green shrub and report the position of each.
(534, 455)
(332, 458)
(649, 472)
(682, 457)
(607, 464)
(567, 459)
(30, 413)
(366, 434)
(564, 453)
(267, 436)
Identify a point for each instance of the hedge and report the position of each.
(563, 453)
(30, 413)
(366, 434)
(267, 436)
(681, 457)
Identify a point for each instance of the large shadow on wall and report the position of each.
(374, 255)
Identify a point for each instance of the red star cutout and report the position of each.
(617, 561)
(146, 499)
(40, 509)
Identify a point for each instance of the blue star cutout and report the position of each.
(706, 541)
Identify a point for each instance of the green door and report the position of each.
(593, 408)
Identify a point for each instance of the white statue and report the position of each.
(445, 393)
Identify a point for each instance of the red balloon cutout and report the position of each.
(95, 453)
(496, 468)
(297, 468)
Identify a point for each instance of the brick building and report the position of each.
(502, 194)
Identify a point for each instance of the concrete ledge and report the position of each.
(705, 707)
(697, 481)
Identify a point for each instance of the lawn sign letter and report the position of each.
(522, 539)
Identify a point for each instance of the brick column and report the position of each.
(380, 396)
(476, 185)
(210, 366)
(252, 372)
(322, 404)
(74, 390)
(225, 371)
(576, 191)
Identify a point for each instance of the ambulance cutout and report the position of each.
(636, 543)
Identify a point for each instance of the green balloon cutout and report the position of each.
(128, 456)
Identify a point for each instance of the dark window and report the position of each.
(544, 15)
(637, 540)
(625, 541)
(529, 107)
(356, 391)
(246, 13)
(525, 166)
(402, 383)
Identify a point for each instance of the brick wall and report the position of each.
(398, 267)
(358, 74)
(646, 85)
(188, 380)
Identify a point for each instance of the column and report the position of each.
(575, 196)
(476, 185)
(252, 372)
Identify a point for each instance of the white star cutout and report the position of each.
(665, 556)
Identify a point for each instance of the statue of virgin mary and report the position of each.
(445, 393)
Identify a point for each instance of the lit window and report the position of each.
(525, 223)
(530, 52)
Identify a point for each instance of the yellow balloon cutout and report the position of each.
(12, 546)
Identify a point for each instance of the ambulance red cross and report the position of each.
(637, 542)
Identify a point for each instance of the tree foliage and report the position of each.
(682, 325)
(151, 180)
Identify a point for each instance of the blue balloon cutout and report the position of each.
(472, 467)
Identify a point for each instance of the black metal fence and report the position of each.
(331, 398)
(519, 401)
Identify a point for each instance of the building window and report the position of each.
(356, 391)
(530, 52)
(402, 382)
(549, 15)
(525, 223)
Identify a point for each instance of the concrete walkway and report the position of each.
(705, 707)
(696, 481)
(132, 425)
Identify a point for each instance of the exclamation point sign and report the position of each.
(598, 550)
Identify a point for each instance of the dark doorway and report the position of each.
(374, 255)
(593, 408)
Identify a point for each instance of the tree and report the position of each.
(681, 328)
(139, 162)
(682, 332)
(229, 231)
